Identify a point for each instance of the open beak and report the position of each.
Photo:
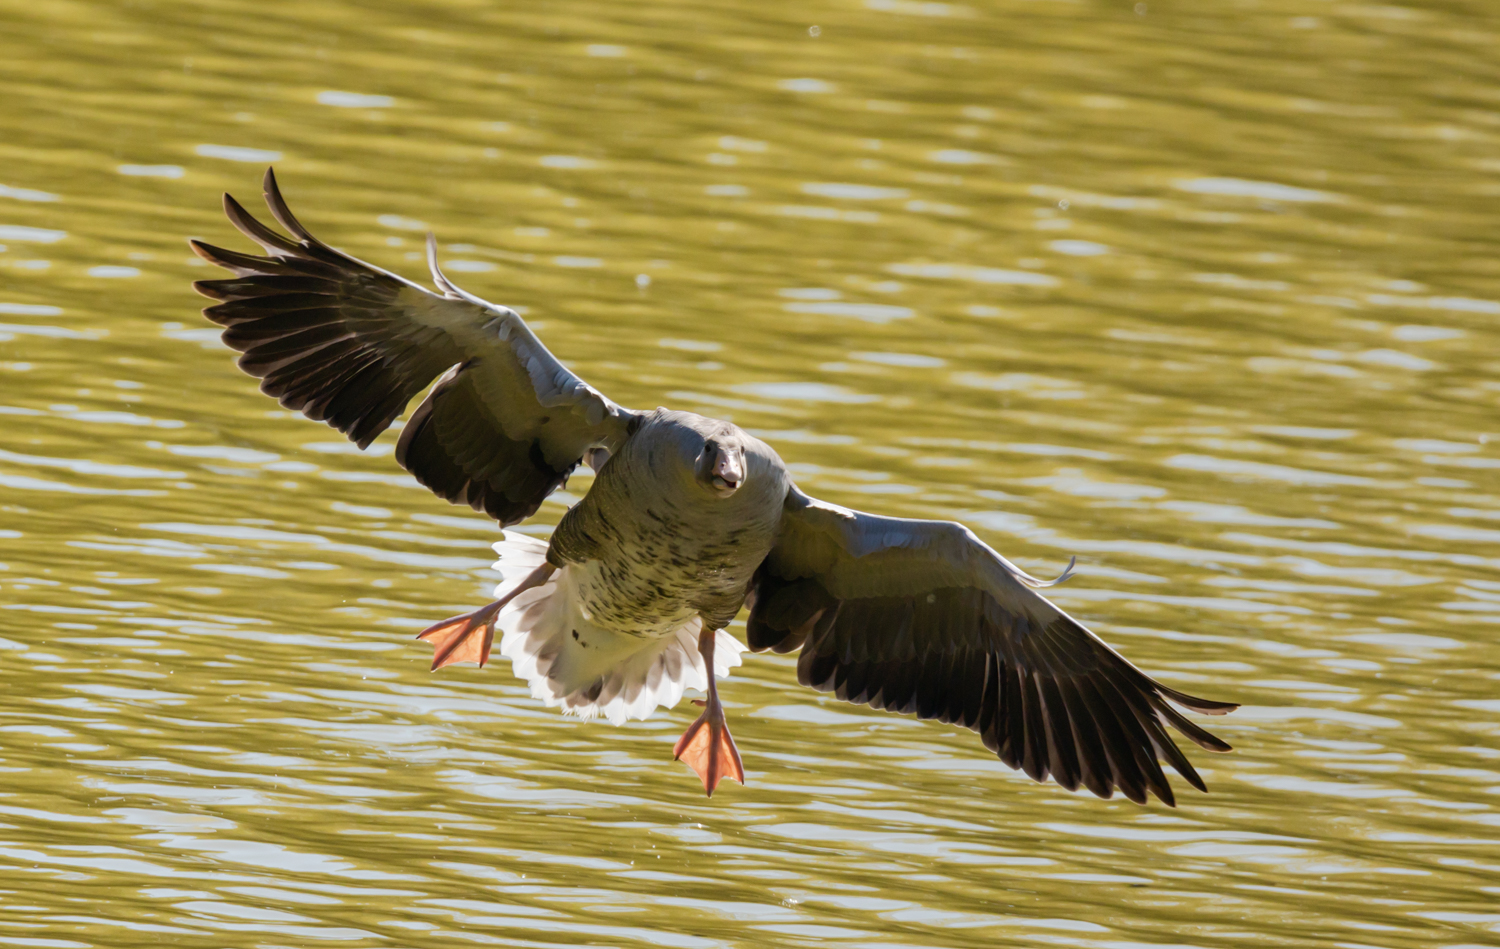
(728, 473)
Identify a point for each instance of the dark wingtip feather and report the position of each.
(1169, 750)
(231, 260)
(210, 288)
(1156, 778)
(231, 290)
(279, 210)
(1198, 736)
(247, 225)
(1203, 706)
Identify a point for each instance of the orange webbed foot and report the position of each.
(708, 749)
(465, 638)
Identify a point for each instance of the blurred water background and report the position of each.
(1206, 294)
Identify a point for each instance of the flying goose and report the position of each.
(688, 519)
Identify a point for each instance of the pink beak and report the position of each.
(727, 468)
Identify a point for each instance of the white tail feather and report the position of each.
(587, 669)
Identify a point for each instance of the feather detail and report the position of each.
(587, 669)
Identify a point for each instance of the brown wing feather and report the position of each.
(347, 343)
(455, 450)
(921, 617)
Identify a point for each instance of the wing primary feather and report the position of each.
(1011, 716)
(288, 309)
(1198, 736)
(1061, 751)
(1118, 745)
(1202, 706)
(989, 705)
(281, 371)
(1153, 691)
(1162, 747)
(257, 286)
(242, 265)
(377, 419)
(973, 693)
(965, 676)
(1034, 733)
(307, 384)
(256, 231)
(1093, 765)
(265, 336)
(1167, 749)
(1110, 739)
(283, 214)
(1069, 763)
(347, 407)
(1142, 730)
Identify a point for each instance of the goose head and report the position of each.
(721, 465)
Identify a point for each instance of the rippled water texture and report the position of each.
(1206, 294)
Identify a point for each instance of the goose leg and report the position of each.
(706, 746)
(467, 638)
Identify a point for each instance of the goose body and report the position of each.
(689, 519)
(648, 559)
(662, 544)
(593, 668)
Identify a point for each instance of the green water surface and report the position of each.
(1204, 293)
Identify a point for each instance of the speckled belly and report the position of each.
(652, 592)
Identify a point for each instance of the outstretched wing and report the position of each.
(350, 344)
(922, 616)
